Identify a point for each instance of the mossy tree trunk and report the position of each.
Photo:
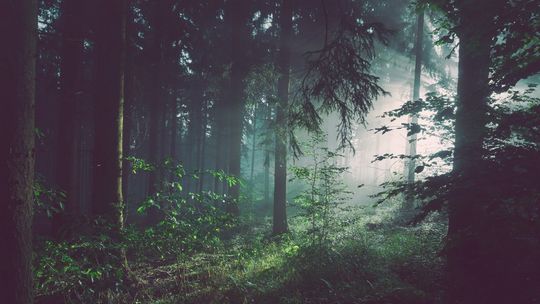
(109, 106)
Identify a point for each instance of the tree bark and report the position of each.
(109, 103)
(253, 146)
(158, 96)
(221, 145)
(411, 140)
(129, 104)
(464, 252)
(18, 24)
(283, 67)
(238, 14)
(68, 127)
(174, 129)
(267, 161)
(202, 150)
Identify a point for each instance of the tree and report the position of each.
(109, 102)
(411, 140)
(283, 67)
(70, 85)
(18, 66)
(237, 14)
(491, 34)
(158, 87)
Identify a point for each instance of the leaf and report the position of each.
(419, 169)
(414, 129)
(441, 154)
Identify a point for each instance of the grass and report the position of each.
(360, 264)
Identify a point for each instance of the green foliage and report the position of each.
(47, 200)
(138, 164)
(90, 266)
(511, 152)
(384, 266)
(79, 270)
(325, 191)
(191, 221)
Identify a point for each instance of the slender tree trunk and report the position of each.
(68, 127)
(221, 146)
(253, 145)
(267, 161)
(129, 104)
(197, 134)
(411, 140)
(238, 14)
(157, 104)
(465, 254)
(202, 149)
(194, 136)
(174, 129)
(267, 177)
(18, 25)
(283, 67)
(109, 107)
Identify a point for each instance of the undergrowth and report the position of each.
(365, 265)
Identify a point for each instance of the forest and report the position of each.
(270, 151)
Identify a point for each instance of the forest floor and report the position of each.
(384, 264)
(368, 262)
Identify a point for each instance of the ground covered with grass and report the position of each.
(366, 260)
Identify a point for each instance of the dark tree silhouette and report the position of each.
(109, 102)
(18, 22)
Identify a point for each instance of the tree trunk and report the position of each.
(174, 129)
(464, 253)
(253, 146)
(221, 145)
(157, 102)
(267, 161)
(129, 104)
(109, 106)
(283, 67)
(267, 177)
(68, 127)
(194, 138)
(411, 140)
(202, 150)
(238, 14)
(18, 66)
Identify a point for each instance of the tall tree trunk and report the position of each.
(129, 104)
(253, 145)
(283, 67)
(202, 150)
(267, 161)
(174, 129)
(267, 177)
(109, 108)
(193, 138)
(221, 144)
(157, 102)
(18, 65)
(411, 140)
(464, 253)
(197, 134)
(68, 127)
(238, 14)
